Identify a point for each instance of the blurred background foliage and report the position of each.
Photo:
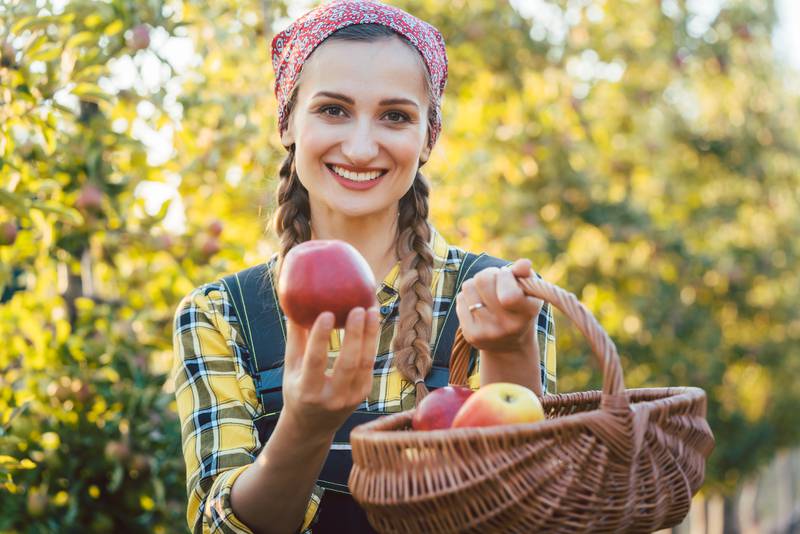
(644, 158)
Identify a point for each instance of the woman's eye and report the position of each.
(396, 116)
(332, 111)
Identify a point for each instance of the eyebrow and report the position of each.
(384, 102)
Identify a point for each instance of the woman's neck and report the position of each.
(374, 236)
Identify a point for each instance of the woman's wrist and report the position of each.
(292, 429)
(520, 366)
(272, 494)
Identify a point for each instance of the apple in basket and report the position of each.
(438, 409)
(324, 275)
(500, 403)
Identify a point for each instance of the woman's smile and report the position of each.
(353, 180)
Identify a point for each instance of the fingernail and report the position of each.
(327, 319)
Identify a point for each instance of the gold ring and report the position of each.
(476, 306)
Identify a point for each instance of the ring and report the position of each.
(476, 306)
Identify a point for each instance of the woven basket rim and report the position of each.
(671, 395)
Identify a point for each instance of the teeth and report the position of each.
(356, 176)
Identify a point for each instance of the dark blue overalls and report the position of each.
(256, 303)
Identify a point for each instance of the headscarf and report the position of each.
(292, 46)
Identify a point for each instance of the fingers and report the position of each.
(467, 296)
(500, 292)
(369, 347)
(296, 337)
(348, 361)
(486, 285)
(512, 298)
(315, 359)
(522, 268)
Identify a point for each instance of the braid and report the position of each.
(292, 219)
(411, 344)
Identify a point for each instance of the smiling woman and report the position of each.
(267, 405)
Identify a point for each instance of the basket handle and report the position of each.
(602, 346)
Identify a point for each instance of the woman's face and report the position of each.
(359, 125)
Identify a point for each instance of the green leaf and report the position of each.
(13, 202)
(89, 73)
(80, 38)
(35, 21)
(162, 211)
(90, 91)
(93, 20)
(47, 54)
(49, 140)
(116, 478)
(23, 24)
(26, 463)
(9, 463)
(114, 28)
(68, 214)
(35, 45)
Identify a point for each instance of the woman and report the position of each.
(359, 87)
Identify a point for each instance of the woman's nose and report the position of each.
(360, 146)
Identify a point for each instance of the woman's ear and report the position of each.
(426, 150)
(287, 137)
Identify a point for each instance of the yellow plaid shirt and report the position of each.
(217, 400)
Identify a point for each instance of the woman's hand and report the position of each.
(318, 402)
(504, 324)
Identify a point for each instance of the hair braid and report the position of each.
(411, 344)
(292, 219)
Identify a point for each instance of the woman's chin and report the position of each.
(341, 206)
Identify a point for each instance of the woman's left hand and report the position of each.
(504, 324)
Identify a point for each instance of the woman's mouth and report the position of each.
(356, 180)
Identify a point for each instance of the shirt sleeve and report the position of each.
(217, 404)
(546, 336)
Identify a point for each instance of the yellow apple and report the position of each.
(501, 403)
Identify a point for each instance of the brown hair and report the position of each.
(292, 224)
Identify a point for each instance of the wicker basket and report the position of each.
(614, 460)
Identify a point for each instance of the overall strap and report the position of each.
(471, 265)
(252, 293)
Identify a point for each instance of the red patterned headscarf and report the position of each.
(292, 46)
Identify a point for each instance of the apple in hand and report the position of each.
(324, 275)
(439, 407)
(500, 403)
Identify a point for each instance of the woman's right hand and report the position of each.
(318, 402)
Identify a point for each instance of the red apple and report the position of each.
(140, 464)
(8, 233)
(90, 199)
(324, 275)
(117, 451)
(438, 409)
(210, 247)
(8, 57)
(215, 228)
(140, 37)
(500, 403)
(163, 242)
(37, 501)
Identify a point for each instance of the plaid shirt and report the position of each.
(217, 401)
